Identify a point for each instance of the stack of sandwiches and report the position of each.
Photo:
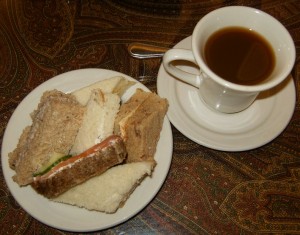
(87, 148)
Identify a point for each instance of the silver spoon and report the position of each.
(145, 51)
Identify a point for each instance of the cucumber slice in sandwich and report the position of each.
(53, 161)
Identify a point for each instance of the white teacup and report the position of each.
(218, 93)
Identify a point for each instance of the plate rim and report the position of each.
(66, 78)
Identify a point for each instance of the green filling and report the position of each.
(53, 161)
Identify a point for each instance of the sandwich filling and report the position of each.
(59, 161)
(54, 160)
(68, 172)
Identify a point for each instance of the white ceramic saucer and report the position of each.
(263, 121)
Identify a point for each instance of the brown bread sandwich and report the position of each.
(139, 123)
(55, 124)
(66, 172)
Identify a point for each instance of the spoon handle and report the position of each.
(145, 51)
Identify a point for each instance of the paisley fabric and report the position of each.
(206, 191)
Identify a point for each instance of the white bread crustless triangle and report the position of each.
(98, 120)
(108, 191)
(117, 85)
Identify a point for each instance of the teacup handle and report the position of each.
(181, 54)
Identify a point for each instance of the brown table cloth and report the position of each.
(206, 191)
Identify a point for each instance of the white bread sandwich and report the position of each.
(55, 124)
(110, 190)
(56, 178)
(139, 123)
(116, 85)
(98, 121)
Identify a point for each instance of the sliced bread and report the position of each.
(128, 108)
(139, 122)
(117, 85)
(80, 168)
(55, 124)
(107, 192)
(98, 121)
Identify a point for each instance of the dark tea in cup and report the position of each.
(240, 51)
(239, 55)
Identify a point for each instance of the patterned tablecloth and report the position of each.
(206, 191)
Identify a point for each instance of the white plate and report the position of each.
(264, 120)
(68, 217)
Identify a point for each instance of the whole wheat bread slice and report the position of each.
(55, 124)
(139, 122)
(79, 169)
(128, 108)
